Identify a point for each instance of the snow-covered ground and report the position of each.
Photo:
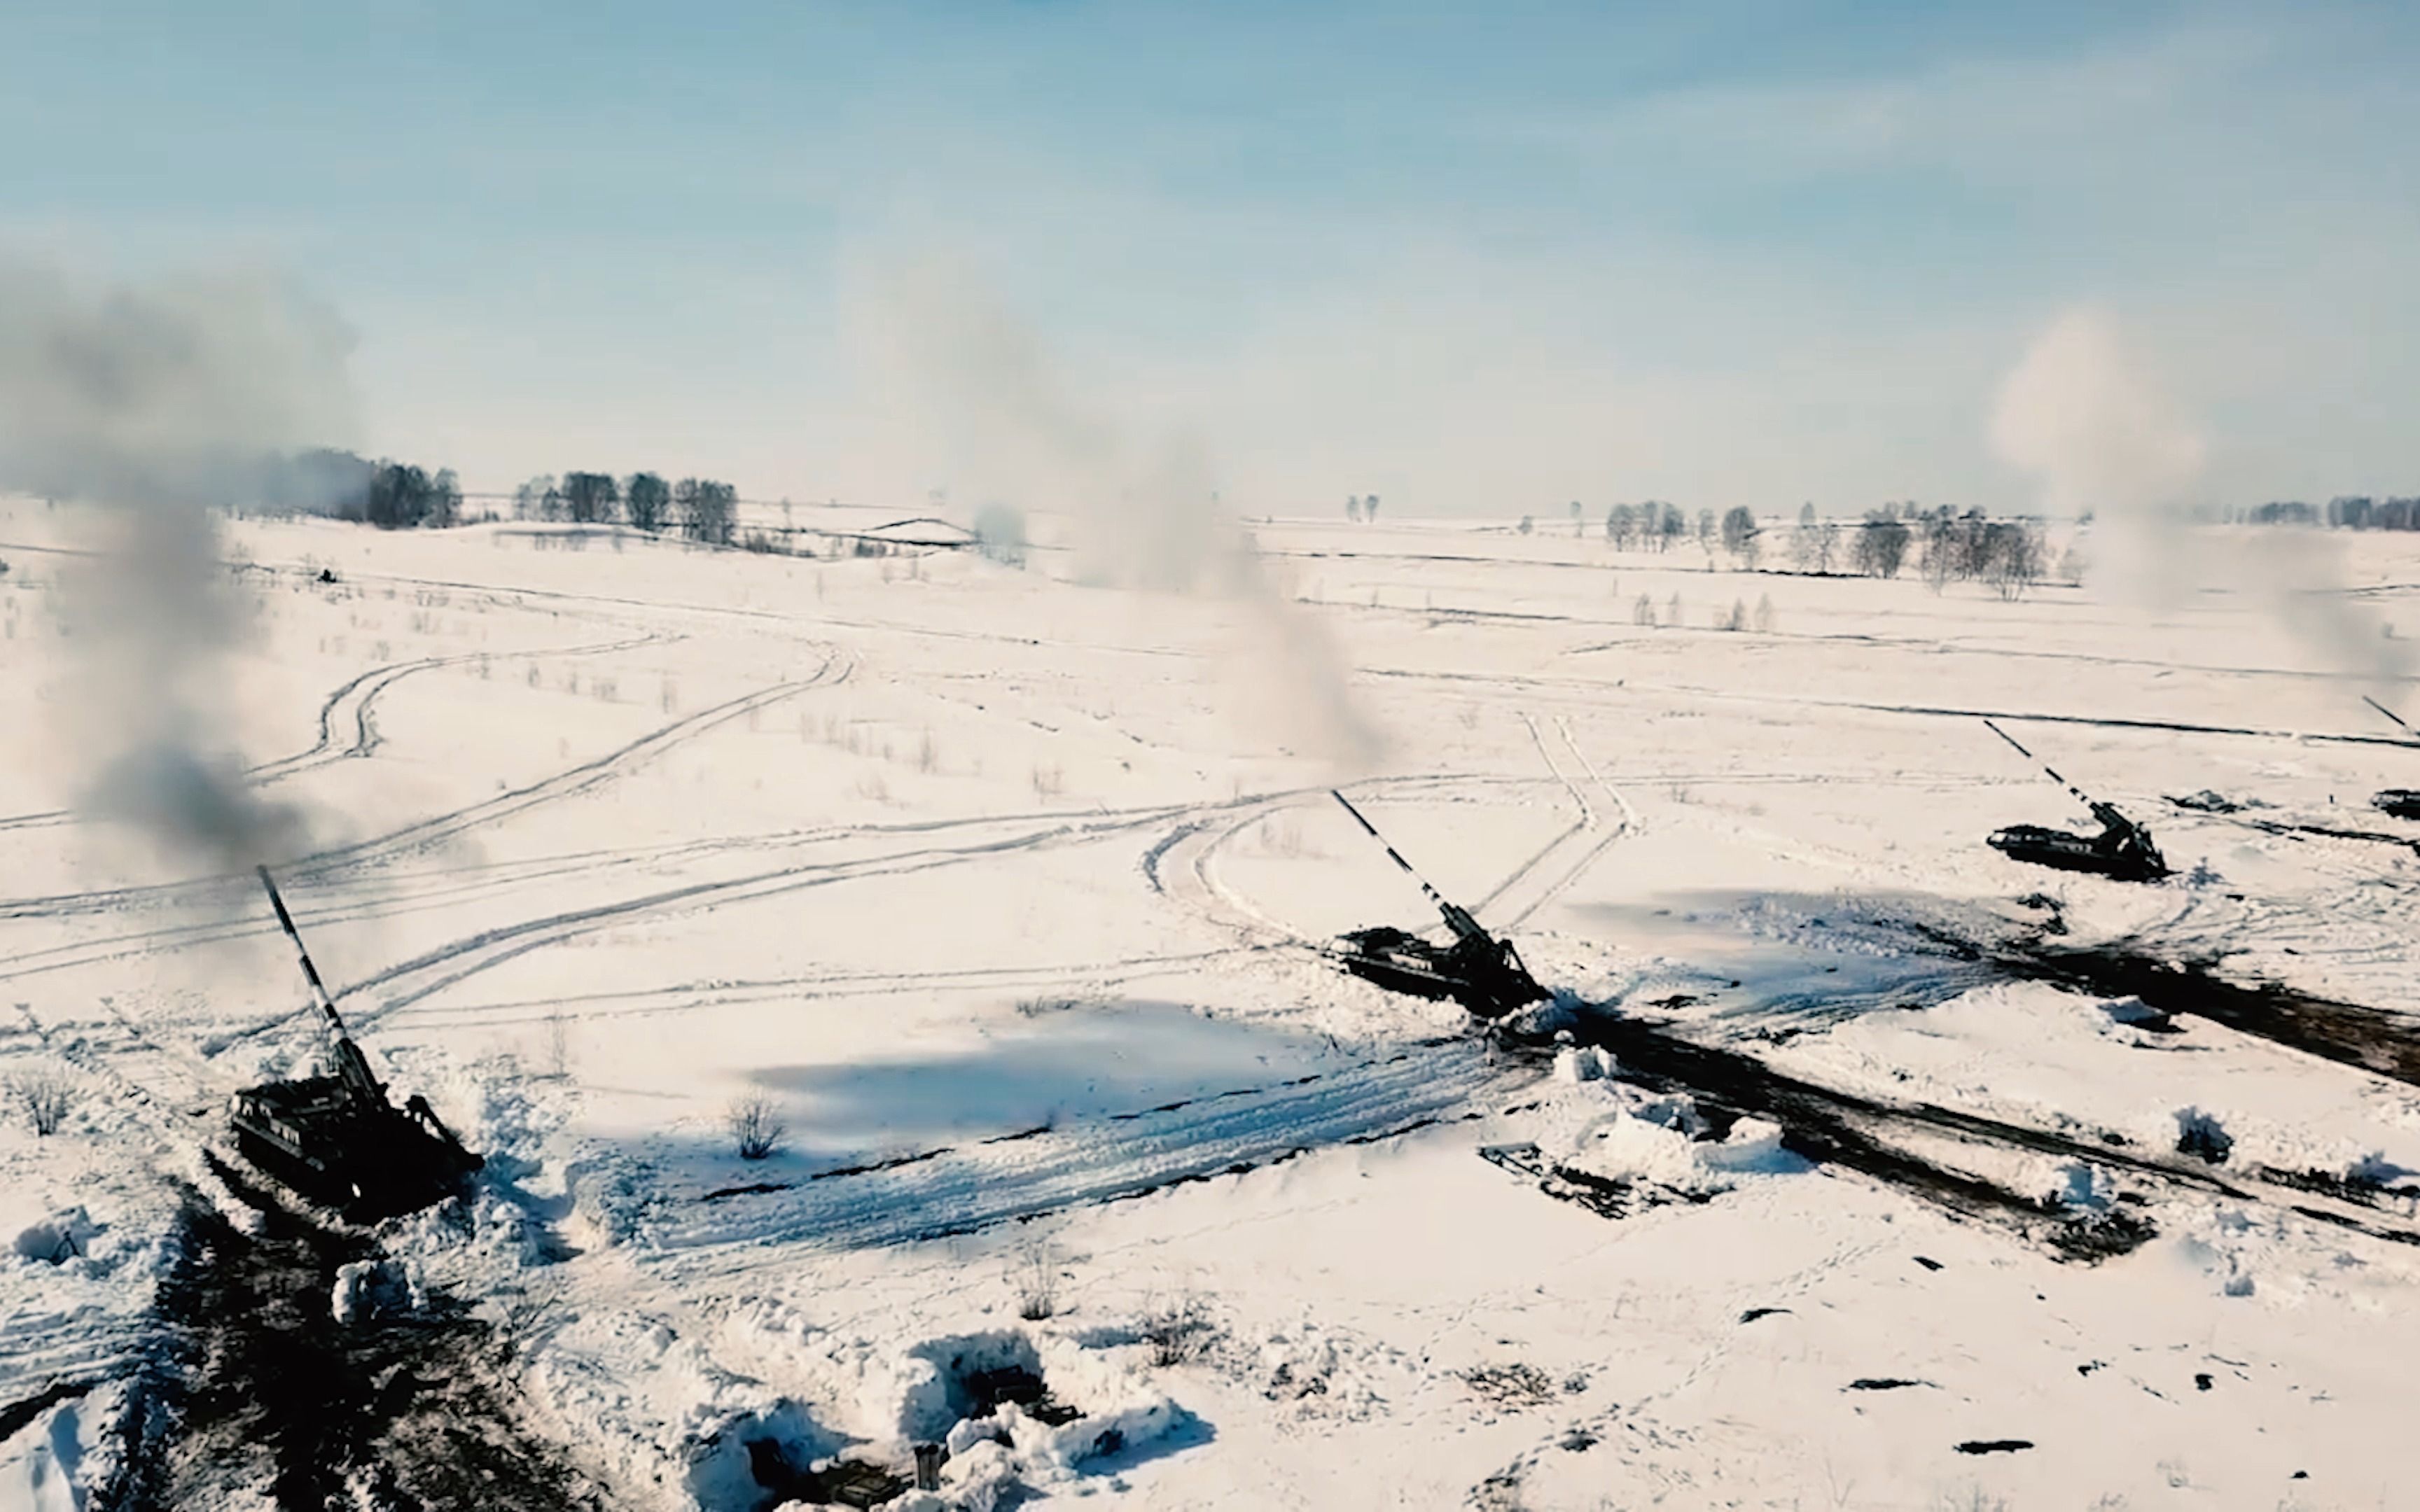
(1846, 1188)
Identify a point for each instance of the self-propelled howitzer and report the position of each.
(336, 1139)
(1482, 973)
(2122, 850)
(2396, 803)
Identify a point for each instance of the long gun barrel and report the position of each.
(1457, 918)
(2390, 714)
(2100, 811)
(349, 1064)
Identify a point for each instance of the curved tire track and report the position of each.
(974, 1186)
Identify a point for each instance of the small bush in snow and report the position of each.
(1510, 1385)
(1033, 1272)
(44, 1097)
(756, 1126)
(558, 1044)
(1045, 1004)
(1177, 1331)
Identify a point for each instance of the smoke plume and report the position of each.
(1146, 516)
(2087, 417)
(155, 405)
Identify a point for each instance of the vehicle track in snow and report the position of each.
(977, 1185)
(1560, 883)
(353, 704)
(261, 1396)
(1182, 864)
(1580, 827)
(1591, 688)
(345, 860)
(1882, 1139)
(406, 982)
(679, 997)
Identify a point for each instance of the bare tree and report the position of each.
(1353, 507)
(1764, 614)
(1739, 534)
(529, 499)
(647, 499)
(1643, 613)
(1937, 559)
(402, 497)
(708, 510)
(1881, 545)
(1621, 524)
(44, 1095)
(558, 1044)
(590, 498)
(756, 1126)
(1802, 540)
(2012, 556)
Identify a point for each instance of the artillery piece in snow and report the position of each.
(336, 1139)
(2396, 803)
(2122, 850)
(1482, 973)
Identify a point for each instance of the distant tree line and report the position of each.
(2347, 512)
(403, 496)
(701, 509)
(339, 484)
(2009, 555)
(1653, 525)
(1949, 545)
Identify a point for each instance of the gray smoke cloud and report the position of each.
(1146, 516)
(2084, 414)
(155, 405)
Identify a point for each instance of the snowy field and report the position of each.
(1873, 1169)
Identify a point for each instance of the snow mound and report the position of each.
(374, 1288)
(55, 1238)
(663, 1414)
(2073, 1186)
(489, 1236)
(1013, 1407)
(1622, 1133)
(1583, 1063)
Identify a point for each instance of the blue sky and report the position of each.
(1480, 258)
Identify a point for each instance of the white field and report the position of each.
(932, 851)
